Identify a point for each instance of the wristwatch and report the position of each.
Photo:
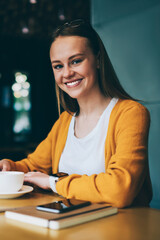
(54, 178)
(58, 176)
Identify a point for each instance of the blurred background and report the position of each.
(28, 109)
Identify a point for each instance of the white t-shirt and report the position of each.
(86, 155)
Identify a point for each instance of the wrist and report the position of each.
(54, 178)
(52, 183)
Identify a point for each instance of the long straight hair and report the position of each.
(108, 81)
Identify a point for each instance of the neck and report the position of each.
(93, 106)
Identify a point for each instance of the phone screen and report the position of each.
(63, 206)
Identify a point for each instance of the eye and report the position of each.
(58, 66)
(76, 61)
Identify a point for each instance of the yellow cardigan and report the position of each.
(126, 179)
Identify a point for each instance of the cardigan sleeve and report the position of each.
(126, 169)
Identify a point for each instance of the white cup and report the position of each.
(11, 181)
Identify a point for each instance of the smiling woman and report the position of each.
(75, 67)
(100, 140)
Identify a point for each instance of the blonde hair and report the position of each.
(108, 80)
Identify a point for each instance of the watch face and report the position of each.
(59, 174)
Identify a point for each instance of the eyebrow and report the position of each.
(73, 56)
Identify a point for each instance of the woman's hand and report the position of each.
(38, 178)
(5, 165)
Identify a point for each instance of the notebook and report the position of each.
(58, 221)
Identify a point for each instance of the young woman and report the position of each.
(100, 140)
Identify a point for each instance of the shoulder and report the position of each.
(65, 116)
(124, 106)
(64, 120)
(61, 125)
(127, 112)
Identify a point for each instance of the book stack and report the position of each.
(58, 221)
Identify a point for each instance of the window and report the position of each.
(22, 107)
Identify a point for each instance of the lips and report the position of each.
(73, 83)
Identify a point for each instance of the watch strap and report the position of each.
(52, 182)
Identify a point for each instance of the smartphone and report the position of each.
(63, 206)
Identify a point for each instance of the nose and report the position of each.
(67, 72)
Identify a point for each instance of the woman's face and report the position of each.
(74, 66)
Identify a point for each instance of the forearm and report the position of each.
(118, 187)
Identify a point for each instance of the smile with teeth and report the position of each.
(73, 83)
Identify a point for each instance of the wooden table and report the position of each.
(128, 224)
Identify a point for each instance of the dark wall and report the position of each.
(29, 52)
(130, 31)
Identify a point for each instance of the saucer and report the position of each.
(25, 189)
